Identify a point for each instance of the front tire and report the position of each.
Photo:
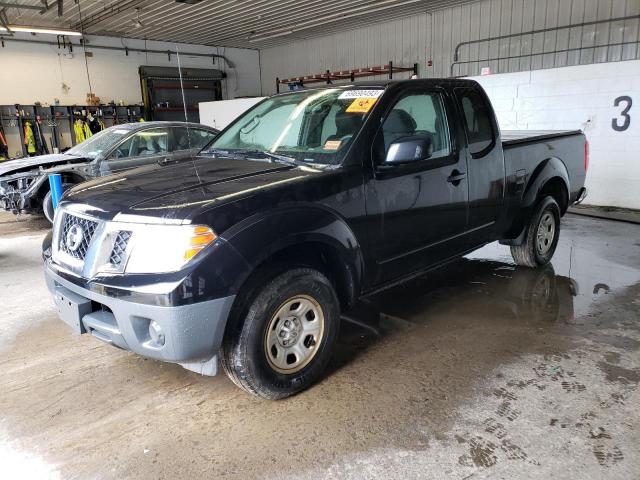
(541, 238)
(286, 338)
(47, 204)
(47, 207)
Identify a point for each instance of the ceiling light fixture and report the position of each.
(50, 31)
(137, 23)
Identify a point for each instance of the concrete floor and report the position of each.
(482, 370)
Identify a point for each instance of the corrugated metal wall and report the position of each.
(434, 35)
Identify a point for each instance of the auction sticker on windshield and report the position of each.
(361, 93)
(361, 105)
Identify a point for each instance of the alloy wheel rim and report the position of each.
(294, 334)
(546, 233)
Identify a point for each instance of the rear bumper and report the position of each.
(582, 194)
(192, 334)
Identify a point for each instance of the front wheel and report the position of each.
(286, 338)
(47, 203)
(541, 238)
(47, 207)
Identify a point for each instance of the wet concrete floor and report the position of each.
(480, 370)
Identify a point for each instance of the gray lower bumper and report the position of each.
(192, 333)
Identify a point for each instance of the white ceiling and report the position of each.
(239, 23)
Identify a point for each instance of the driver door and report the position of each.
(142, 148)
(417, 210)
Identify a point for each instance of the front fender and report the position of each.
(263, 235)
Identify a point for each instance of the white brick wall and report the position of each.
(580, 97)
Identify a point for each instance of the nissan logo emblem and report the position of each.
(74, 238)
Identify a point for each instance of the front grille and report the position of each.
(76, 235)
(119, 247)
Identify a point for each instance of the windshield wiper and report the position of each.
(275, 156)
(233, 153)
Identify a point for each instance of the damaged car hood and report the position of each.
(32, 163)
(178, 190)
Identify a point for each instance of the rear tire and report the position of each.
(541, 237)
(286, 338)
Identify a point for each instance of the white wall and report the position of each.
(221, 113)
(581, 97)
(32, 72)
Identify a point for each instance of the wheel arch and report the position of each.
(68, 177)
(550, 177)
(308, 236)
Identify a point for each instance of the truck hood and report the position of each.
(176, 191)
(11, 167)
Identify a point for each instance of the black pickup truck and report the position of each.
(249, 252)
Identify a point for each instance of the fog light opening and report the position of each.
(156, 333)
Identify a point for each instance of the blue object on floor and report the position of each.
(55, 184)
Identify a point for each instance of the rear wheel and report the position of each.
(541, 238)
(285, 340)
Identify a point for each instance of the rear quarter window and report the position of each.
(477, 119)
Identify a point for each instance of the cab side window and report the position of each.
(153, 141)
(477, 118)
(419, 114)
(186, 139)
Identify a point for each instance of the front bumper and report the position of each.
(192, 333)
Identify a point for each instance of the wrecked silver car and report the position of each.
(24, 186)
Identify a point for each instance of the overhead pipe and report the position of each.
(536, 54)
(542, 30)
(126, 50)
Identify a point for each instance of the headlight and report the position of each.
(166, 248)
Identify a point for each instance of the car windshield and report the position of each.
(100, 142)
(313, 126)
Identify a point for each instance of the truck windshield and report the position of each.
(98, 143)
(314, 126)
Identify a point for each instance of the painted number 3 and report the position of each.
(626, 118)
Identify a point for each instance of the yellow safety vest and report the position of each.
(29, 138)
(78, 131)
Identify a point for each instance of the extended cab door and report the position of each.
(142, 148)
(416, 210)
(486, 170)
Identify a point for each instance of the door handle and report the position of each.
(456, 177)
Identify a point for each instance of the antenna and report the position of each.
(184, 106)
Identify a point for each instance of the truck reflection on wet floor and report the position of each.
(472, 289)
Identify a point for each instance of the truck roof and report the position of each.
(452, 82)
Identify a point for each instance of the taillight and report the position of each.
(586, 155)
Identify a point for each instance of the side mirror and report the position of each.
(409, 149)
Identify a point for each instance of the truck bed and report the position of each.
(514, 137)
